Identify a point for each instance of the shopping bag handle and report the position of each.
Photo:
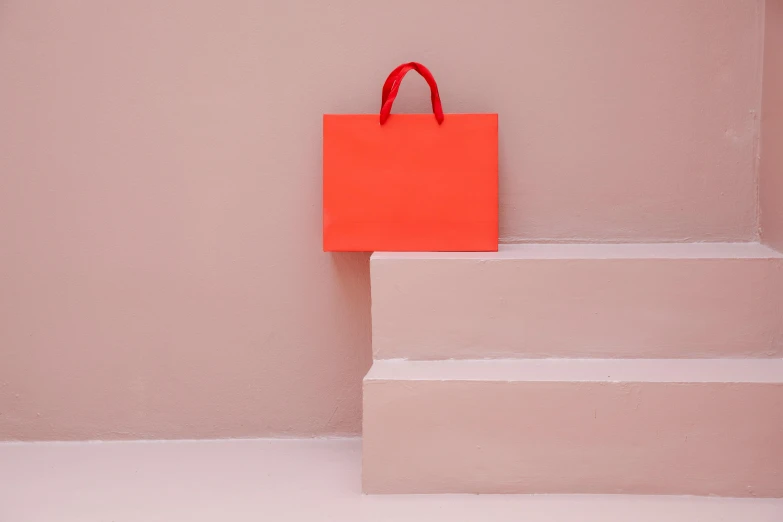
(392, 86)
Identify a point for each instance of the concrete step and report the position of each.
(672, 300)
(633, 426)
(314, 480)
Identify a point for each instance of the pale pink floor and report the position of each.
(284, 480)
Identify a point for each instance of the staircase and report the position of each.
(577, 368)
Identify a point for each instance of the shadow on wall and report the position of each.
(351, 271)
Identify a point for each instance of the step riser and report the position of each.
(446, 436)
(646, 308)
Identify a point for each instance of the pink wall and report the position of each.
(160, 183)
(771, 165)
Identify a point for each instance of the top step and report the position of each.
(664, 300)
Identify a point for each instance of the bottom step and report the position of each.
(636, 426)
(286, 480)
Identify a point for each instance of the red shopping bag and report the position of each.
(410, 182)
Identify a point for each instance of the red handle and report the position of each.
(392, 86)
(390, 80)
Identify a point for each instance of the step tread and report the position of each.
(600, 251)
(582, 370)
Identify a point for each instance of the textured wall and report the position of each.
(160, 183)
(771, 167)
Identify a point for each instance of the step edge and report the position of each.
(598, 251)
(684, 371)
